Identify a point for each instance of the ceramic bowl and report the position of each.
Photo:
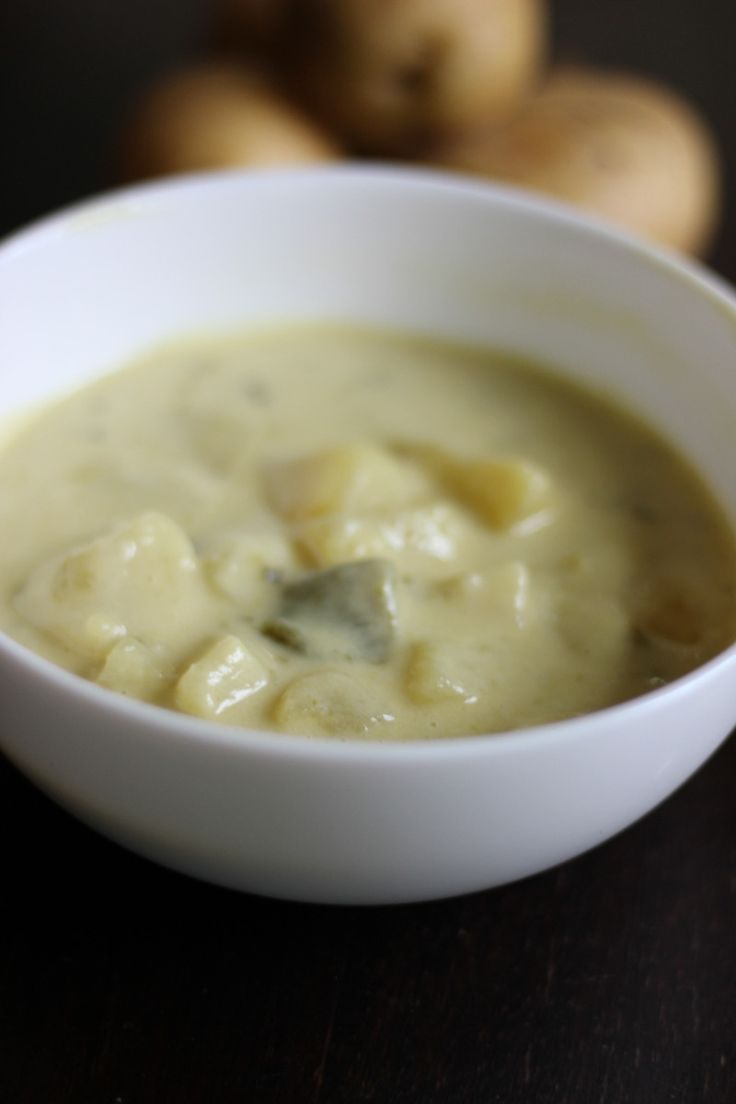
(86, 291)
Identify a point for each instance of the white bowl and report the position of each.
(347, 822)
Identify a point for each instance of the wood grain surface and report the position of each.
(611, 980)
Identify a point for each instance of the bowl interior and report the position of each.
(88, 290)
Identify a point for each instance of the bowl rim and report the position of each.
(169, 723)
(127, 199)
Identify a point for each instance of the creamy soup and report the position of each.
(331, 531)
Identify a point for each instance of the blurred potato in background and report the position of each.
(217, 116)
(389, 74)
(616, 145)
(460, 84)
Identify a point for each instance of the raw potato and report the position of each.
(217, 116)
(386, 76)
(619, 146)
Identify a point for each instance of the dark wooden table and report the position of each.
(611, 980)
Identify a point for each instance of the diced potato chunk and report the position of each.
(504, 590)
(504, 491)
(412, 539)
(133, 669)
(351, 478)
(329, 702)
(142, 579)
(225, 675)
(236, 564)
(436, 674)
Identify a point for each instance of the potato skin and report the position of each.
(620, 146)
(389, 74)
(216, 116)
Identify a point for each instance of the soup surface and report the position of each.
(332, 531)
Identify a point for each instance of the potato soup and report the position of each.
(338, 532)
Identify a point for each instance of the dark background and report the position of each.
(611, 980)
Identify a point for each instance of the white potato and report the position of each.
(502, 591)
(349, 478)
(387, 77)
(133, 669)
(622, 147)
(329, 702)
(422, 539)
(216, 116)
(221, 679)
(436, 673)
(506, 492)
(142, 579)
(236, 563)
